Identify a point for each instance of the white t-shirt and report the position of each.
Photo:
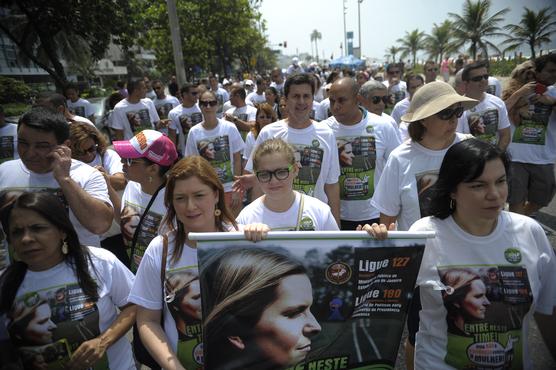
(15, 176)
(164, 106)
(249, 145)
(315, 215)
(134, 202)
(185, 340)
(133, 118)
(74, 318)
(254, 98)
(534, 140)
(363, 149)
(278, 87)
(8, 142)
(316, 152)
(247, 113)
(399, 90)
(218, 146)
(81, 108)
(404, 187)
(80, 119)
(111, 162)
(323, 111)
(222, 96)
(400, 109)
(182, 119)
(315, 110)
(485, 119)
(494, 87)
(513, 271)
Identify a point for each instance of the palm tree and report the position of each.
(475, 25)
(534, 29)
(440, 41)
(392, 51)
(412, 43)
(315, 36)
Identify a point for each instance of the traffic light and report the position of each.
(285, 44)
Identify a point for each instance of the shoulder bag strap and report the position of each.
(163, 276)
(300, 211)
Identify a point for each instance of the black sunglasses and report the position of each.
(206, 103)
(280, 174)
(432, 70)
(376, 99)
(448, 113)
(479, 78)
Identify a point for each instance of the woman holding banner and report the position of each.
(477, 244)
(282, 208)
(259, 316)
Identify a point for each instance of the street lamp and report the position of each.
(359, 23)
(345, 34)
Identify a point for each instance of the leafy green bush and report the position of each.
(504, 67)
(13, 91)
(15, 109)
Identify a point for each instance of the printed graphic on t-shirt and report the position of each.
(183, 297)
(217, 151)
(309, 157)
(129, 220)
(491, 89)
(398, 96)
(534, 120)
(425, 181)
(357, 156)
(4, 252)
(163, 110)
(244, 117)
(484, 125)
(139, 120)
(220, 100)
(189, 120)
(78, 111)
(485, 309)
(47, 326)
(6, 148)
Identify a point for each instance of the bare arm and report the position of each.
(333, 193)
(504, 137)
(155, 340)
(117, 181)
(525, 90)
(172, 135)
(387, 220)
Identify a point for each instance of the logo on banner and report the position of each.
(338, 273)
(512, 255)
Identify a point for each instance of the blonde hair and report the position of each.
(273, 146)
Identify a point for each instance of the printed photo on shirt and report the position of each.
(139, 120)
(485, 308)
(6, 148)
(357, 156)
(216, 150)
(78, 110)
(534, 121)
(47, 326)
(220, 100)
(163, 110)
(309, 158)
(398, 96)
(189, 120)
(425, 181)
(491, 89)
(484, 125)
(183, 298)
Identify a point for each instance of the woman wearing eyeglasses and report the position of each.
(433, 117)
(219, 142)
(282, 208)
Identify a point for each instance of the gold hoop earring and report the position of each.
(65, 247)
(150, 179)
(217, 212)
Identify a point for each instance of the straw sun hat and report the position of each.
(432, 98)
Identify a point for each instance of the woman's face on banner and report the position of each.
(284, 330)
(191, 302)
(475, 302)
(40, 328)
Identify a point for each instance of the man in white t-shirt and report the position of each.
(184, 116)
(414, 82)
(488, 120)
(397, 88)
(364, 142)
(294, 68)
(77, 105)
(134, 113)
(242, 115)
(163, 104)
(257, 96)
(45, 164)
(431, 71)
(533, 146)
(149, 93)
(373, 96)
(314, 143)
(8, 139)
(277, 80)
(222, 95)
(57, 102)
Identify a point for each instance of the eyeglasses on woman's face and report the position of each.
(280, 174)
(207, 103)
(90, 150)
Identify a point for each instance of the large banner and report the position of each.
(306, 300)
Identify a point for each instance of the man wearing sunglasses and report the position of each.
(222, 95)
(163, 104)
(374, 97)
(364, 142)
(242, 114)
(396, 87)
(431, 71)
(488, 120)
(184, 116)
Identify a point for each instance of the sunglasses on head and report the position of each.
(206, 103)
(376, 99)
(479, 78)
(448, 113)
(280, 174)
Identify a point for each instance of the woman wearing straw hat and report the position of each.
(432, 116)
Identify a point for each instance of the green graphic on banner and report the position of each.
(217, 151)
(534, 121)
(309, 158)
(357, 156)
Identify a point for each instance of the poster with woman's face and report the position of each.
(425, 182)
(187, 121)
(216, 150)
(47, 326)
(484, 125)
(309, 159)
(357, 156)
(139, 120)
(485, 308)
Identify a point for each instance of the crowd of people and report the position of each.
(94, 238)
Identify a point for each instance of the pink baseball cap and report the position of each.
(149, 144)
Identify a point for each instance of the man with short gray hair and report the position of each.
(373, 96)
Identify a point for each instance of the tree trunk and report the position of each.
(532, 46)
